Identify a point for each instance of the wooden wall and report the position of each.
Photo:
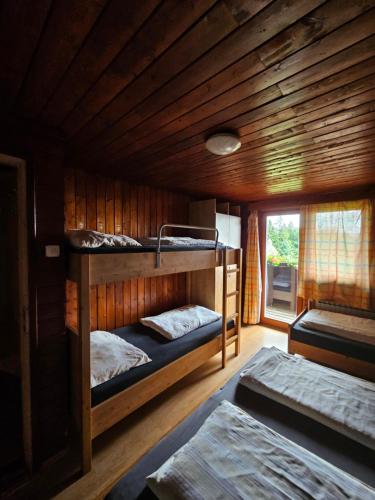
(113, 206)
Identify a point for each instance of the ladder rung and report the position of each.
(232, 294)
(231, 340)
(232, 316)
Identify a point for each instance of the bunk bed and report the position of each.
(96, 267)
(334, 350)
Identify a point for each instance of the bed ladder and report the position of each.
(232, 264)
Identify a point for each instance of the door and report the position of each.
(15, 428)
(279, 244)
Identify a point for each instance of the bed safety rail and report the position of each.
(182, 226)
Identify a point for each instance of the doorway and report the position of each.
(15, 418)
(280, 243)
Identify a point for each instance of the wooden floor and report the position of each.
(123, 445)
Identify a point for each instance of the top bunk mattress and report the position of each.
(142, 249)
(161, 351)
(93, 242)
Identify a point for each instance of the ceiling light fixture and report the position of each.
(223, 143)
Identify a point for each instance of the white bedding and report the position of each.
(176, 241)
(111, 355)
(338, 400)
(233, 456)
(87, 238)
(178, 322)
(343, 325)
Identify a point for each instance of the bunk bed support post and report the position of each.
(83, 294)
(239, 301)
(224, 317)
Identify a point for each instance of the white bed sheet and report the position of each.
(233, 456)
(335, 399)
(351, 327)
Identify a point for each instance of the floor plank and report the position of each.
(123, 445)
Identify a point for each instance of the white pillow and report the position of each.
(178, 322)
(87, 238)
(111, 355)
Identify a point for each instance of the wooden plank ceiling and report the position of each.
(136, 87)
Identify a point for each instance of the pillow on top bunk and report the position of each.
(111, 355)
(178, 322)
(88, 238)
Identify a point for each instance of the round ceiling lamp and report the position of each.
(223, 143)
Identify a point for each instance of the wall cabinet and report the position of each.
(206, 286)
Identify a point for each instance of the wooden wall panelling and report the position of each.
(113, 206)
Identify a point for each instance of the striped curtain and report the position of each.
(253, 278)
(336, 253)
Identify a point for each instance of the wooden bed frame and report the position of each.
(95, 269)
(341, 362)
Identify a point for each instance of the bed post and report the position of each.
(84, 400)
(239, 301)
(224, 316)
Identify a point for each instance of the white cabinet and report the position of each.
(206, 286)
(234, 231)
(229, 227)
(222, 224)
(204, 213)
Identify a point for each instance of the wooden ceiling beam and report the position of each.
(101, 48)
(27, 18)
(310, 58)
(219, 22)
(62, 36)
(275, 122)
(268, 22)
(316, 24)
(294, 138)
(355, 79)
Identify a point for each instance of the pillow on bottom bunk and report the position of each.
(178, 322)
(111, 356)
(235, 456)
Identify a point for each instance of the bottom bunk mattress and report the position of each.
(161, 351)
(335, 448)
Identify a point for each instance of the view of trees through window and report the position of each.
(282, 239)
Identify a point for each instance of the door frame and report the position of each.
(280, 325)
(23, 305)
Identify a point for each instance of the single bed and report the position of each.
(335, 448)
(334, 398)
(337, 351)
(161, 351)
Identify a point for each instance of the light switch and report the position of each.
(52, 251)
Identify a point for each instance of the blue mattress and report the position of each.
(159, 349)
(358, 350)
